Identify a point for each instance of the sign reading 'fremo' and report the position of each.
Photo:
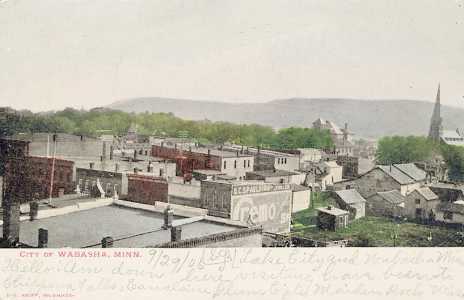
(259, 188)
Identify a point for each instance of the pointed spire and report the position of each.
(435, 122)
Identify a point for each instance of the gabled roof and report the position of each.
(427, 193)
(393, 196)
(412, 171)
(350, 196)
(396, 174)
(333, 211)
(299, 188)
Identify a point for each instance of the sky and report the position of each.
(87, 53)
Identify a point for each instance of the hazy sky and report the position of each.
(87, 53)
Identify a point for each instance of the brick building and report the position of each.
(146, 189)
(255, 203)
(187, 160)
(30, 177)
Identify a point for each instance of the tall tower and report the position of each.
(435, 123)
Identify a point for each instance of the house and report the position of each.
(256, 203)
(402, 177)
(386, 204)
(332, 218)
(421, 204)
(351, 201)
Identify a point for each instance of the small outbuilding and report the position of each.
(332, 218)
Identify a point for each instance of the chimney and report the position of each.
(33, 210)
(176, 234)
(238, 153)
(10, 220)
(241, 150)
(104, 151)
(162, 144)
(168, 216)
(329, 207)
(43, 238)
(107, 242)
(209, 152)
(91, 165)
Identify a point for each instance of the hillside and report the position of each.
(366, 118)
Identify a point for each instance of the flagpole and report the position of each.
(52, 174)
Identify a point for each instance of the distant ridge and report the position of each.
(371, 119)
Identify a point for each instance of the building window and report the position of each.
(417, 201)
(447, 215)
(285, 161)
(225, 165)
(248, 163)
(278, 161)
(235, 164)
(244, 164)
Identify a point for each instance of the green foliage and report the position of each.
(379, 232)
(296, 137)
(399, 149)
(95, 121)
(454, 158)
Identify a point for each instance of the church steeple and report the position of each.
(435, 122)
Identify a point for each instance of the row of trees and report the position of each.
(98, 121)
(400, 149)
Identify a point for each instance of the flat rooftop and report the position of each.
(88, 227)
(273, 173)
(213, 151)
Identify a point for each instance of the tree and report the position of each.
(400, 149)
